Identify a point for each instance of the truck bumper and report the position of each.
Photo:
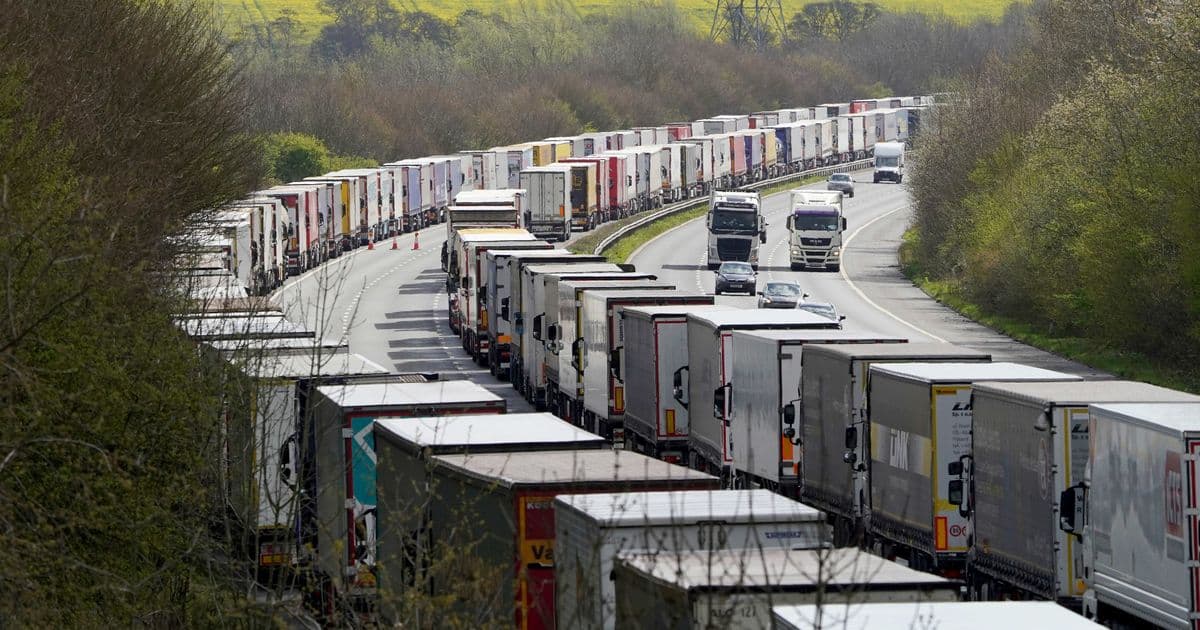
(819, 258)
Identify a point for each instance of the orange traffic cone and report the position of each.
(370, 244)
(395, 245)
(416, 240)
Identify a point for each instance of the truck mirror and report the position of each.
(504, 309)
(552, 332)
(1070, 510)
(789, 414)
(762, 236)
(577, 354)
(721, 399)
(614, 363)
(955, 494)
(954, 469)
(537, 325)
(850, 457)
(851, 438)
(677, 391)
(843, 224)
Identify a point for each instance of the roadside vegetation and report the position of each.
(1061, 195)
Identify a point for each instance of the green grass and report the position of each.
(235, 14)
(1125, 364)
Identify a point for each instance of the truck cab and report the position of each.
(815, 226)
(735, 228)
(889, 162)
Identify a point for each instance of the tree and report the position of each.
(293, 156)
(834, 19)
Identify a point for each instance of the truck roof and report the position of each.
(632, 281)
(488, 194)
(1173, 416)
(277, 345)
(778, 569)
(972, 372)
(689, 507)
(810, 208)
(761, 318)
(1079, 393)
(414, 394)
(304, 365)
(569, 467)
(242, 327)
(581, 266)
(922, 350)
(672, 310)
(802, 336)
(491, 253)
(650, 293)
(483, 235)
(484, 430)
(1001, 615)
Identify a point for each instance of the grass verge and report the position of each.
(1093, 352)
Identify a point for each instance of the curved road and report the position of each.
(391, 306)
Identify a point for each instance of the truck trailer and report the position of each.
(941, 615)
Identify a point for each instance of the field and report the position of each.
(235, 14)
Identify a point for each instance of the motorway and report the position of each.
(390, 304)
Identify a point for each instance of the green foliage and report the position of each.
(1076, 210)
(293, 156)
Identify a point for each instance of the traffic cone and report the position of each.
(370, 243)
(416, 240)
(395, 245)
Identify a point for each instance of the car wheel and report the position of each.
(852, 193)
(717, 291)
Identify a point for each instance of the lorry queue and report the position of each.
(691, 464)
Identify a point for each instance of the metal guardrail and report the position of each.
(675, 208)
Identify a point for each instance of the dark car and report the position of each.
(736, 276)
(824, 309)
(780, 295)
(842, 182)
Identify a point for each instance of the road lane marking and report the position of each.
(846, 277)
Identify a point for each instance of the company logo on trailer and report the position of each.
(1173, 490)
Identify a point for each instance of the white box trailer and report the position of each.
(261, 462)
(592, 529)
(546, 295)
(600, 348)
(886, 127)
(940, 615)
(499, 290)
(833, 392)
(1029, 444)
(920, 433)
(548, 214)
(404, 448)
(473, 294)
(564, 388)
(766, 399)
(710, 368)
(516, 158)
(366, 223)
(1137, 512)
(528, 350)
(656, 421)
(484, 172)
(734, 589)
(343, 419)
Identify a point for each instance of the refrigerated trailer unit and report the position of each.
(600, 348)
(343, 417)
(920, 439)
(765, 393)
(656, 423)
(833, 394)
(1137, 513)
(735, 589)
(592, 529)
(705, 381)
(941, 615)
(404, 448)
(472, 300)
(1029, 444)
(500, 291)
(549, 213)
(512, 496)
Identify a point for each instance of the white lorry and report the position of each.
(815, 225)
(735, 227)
(549, 212)
(1137, 514)
(889, 162)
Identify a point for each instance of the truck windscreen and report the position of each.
(735, 220)
(887, 160)
(815, 222)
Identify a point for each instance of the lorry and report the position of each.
(601, 346)
(834, 385)
(889, 162)
(499, 290)
(564, 341)
(735, 589)
(487, 208)
(456, 261)
(703, 384)
(549, 212)
(920, 440)
(945, 615)
(404, 448)
(513, 495)
(765, 393)
(1135, 514)
(815, 226)
(472, 292)
(655, 422)
(1029, 444)
(343, 443)
(735, 227)
(592, 529)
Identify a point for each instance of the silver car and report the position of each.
(842, 182)
(824, 309)
(778, 294)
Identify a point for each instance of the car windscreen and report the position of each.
(741, 268)
(784, 289)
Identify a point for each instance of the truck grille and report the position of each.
(733, 249)
(817, 242)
